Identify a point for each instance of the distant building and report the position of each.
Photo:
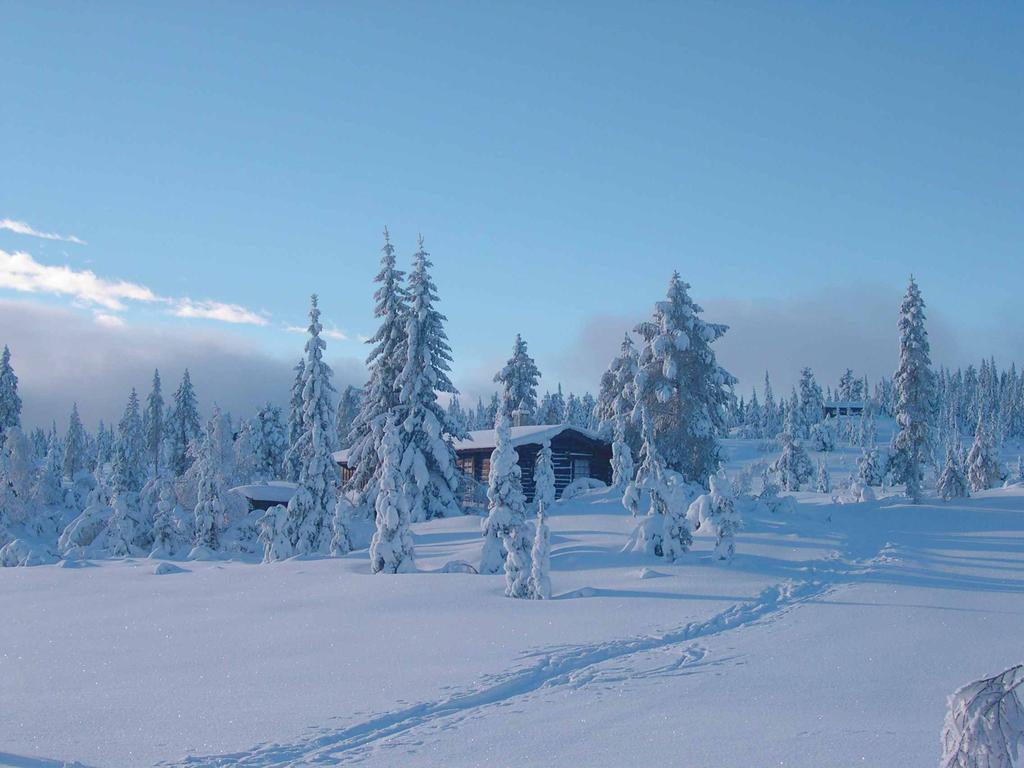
(266, 495)
(575, 454)
(844, 408)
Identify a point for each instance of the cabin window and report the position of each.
(580, 468)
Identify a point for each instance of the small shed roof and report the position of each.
(487, 439)
(277, 491)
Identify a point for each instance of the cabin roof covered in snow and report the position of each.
(279, 491)
(487, 439)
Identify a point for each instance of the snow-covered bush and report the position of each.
(984, 725)
(391, 550)
(20, 552)
(581, 485)
(793, 466)
(506, 514)
(717, 510)
(869, 467)
(952, 484)
(823, 483)
(275, 533)
(823, 436)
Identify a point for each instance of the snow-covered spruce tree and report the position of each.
(48, 490)
(544, 477)
(391, 549)
(341, 525)
(457, 417)
(385, 362)
(982, 467)
(952, 484)
(309, 513)
(209, 510)
(984, 725)
(575, 416)
(915, 396)
(519, 380)
(10, 401)
(681, 386)
(811, 406)
(1020, 470)
(622, 456)
(74, 459)
(182, 427)
(664, 531)
(718, 509)
(869, 467)
(506, 508)
(539, 584)
(823, 436)
(290, 466)
(793, 466)
(348, 410)
(154, 421)
(18, 476)
(823, 484)
(167, 536)
(126, 528)
(615, 398)
(428, 457)
(243, 454)
(269, 442)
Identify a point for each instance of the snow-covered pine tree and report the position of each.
(126, 528)
(575, 414)
(48, 490)
(984, 725)
(166, 536)
(391, 549)
(539, 585)
(428, 457)
(243, 454)
(823, 483)
(982, 467)
(506, 510)
(952, 484)
(290, 466)
(154, 421)
(457, 417)
(10, 401)
(341, 525)
(770, 425)
(915, 395)
(681, 386)
(622, 456)
(717, 508)
(348, 410)
(209, 508)
(309, 513)
(811, 404)
(869, 467)
(74, 459)
(182, 427)
(269, 442)
(544, 477)
(385, 362)
(519, 380)
(793, 466)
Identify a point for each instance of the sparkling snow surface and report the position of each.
(833, 639)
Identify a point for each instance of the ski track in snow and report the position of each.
(565, 667)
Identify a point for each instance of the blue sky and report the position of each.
(790, 160)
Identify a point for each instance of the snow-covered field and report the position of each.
(832, 639)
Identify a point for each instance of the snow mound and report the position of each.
(650, 573)
(19, 552)
(165, 568)
(457, 566)
(578, 487)
(202, 553)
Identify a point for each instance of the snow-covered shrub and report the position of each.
(770, 500)
(581, 485)
(539, 586)
(506, 514)
(984, 725)
(87, 527)
(391, 550)
(341, 525)
(823, 436)
(952, 484)
(622, 456)
(20, 552)
(869, 467)
(823, 484)
(275, 534)
(717, 509)
(793, 466)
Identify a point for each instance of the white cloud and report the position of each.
(110, 321)
(331, 333)
(19, 271)
(216, 310)
(21, 228)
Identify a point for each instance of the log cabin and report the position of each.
(575, 454)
